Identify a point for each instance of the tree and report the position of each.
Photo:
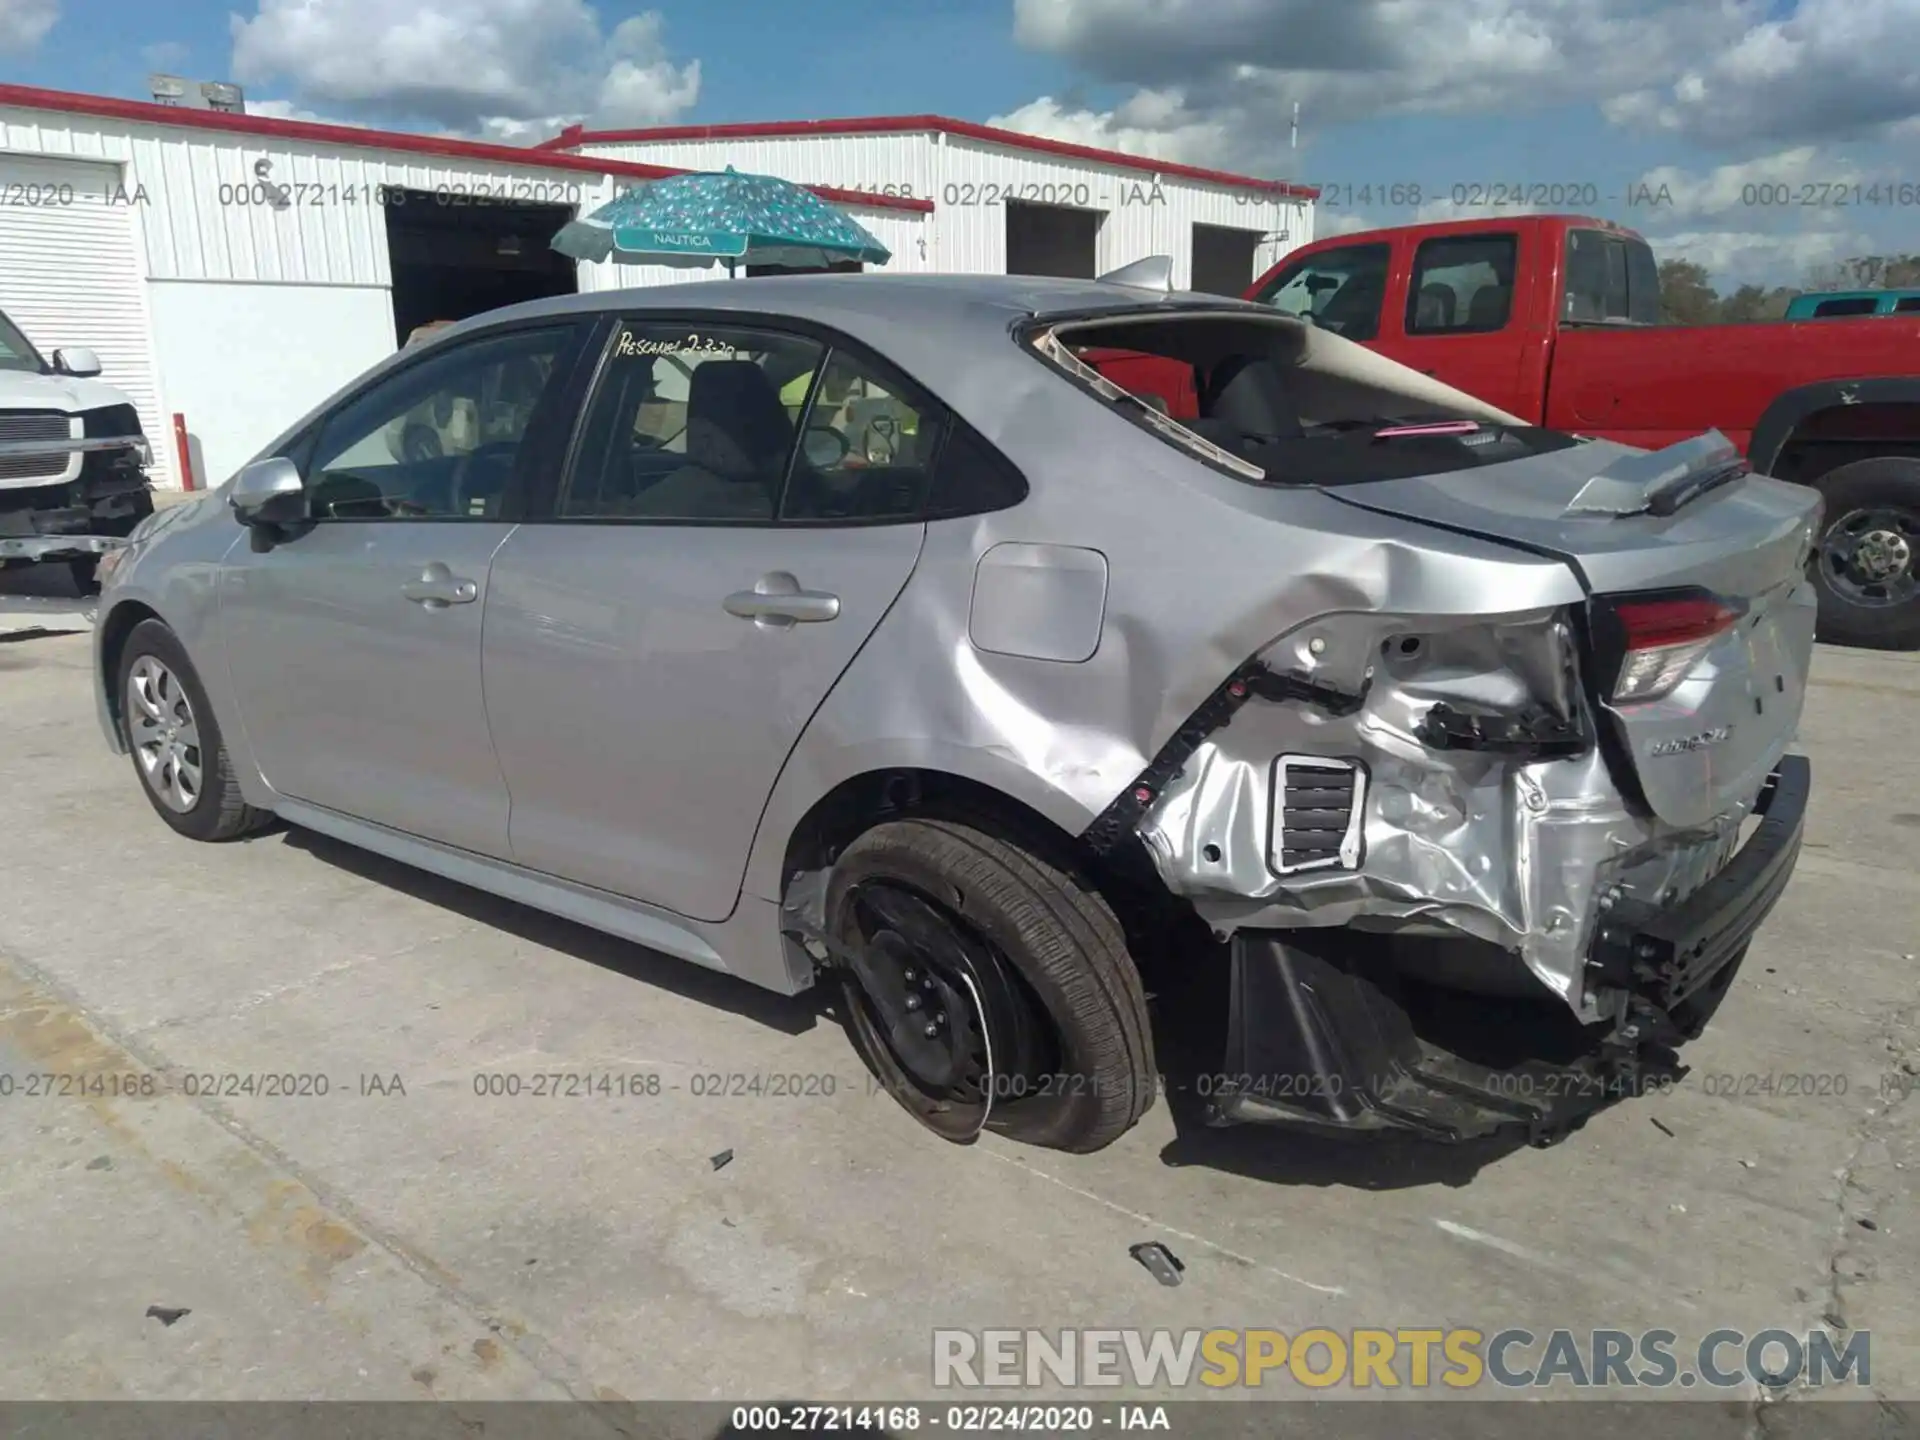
(1686, 296)
(1755, 302)
(1867, 272)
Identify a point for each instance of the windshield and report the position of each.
(15, 351)
(1339, 290)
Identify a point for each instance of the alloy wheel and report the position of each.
(164, 734)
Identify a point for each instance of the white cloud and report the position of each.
(1234, 68)
(1336, 223)
(1741, 257)
(471, 66)
(1788, 185)
(1832, 68)
(287, 110)
(1436, 212)
(1151, 123)
(25, 23)
(1223, 75)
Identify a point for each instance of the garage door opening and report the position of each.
(1056, 240)
(1223, 259)
(453, 259)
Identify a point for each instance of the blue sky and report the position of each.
(1710, 108)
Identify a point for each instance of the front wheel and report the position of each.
(175, 741)
(988, 986)
(1865, 563)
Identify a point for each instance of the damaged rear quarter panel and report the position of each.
(1204, 571)
(1510, 849)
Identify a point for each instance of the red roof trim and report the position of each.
(144, 112)
(574, 136)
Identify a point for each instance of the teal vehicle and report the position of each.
(1829, 304)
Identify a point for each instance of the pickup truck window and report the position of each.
(1610, 279)
(1862, 306)
(1340, 290)
(1462, 285)
(16, 352)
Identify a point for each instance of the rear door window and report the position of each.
(690, 422)
(1462, 285)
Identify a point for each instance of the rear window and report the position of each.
(1610, 279)
(1278, 405)
(1907, 306)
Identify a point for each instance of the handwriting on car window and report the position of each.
(694, 344)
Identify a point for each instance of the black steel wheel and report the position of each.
(1867, 563)
(987, 987)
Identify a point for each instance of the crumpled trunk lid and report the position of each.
(1631, 523)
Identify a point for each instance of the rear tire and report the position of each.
(1867, 563)
(175, 743)
(1057, 934)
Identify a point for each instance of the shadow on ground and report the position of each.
(1187, 979)
(791, 1015)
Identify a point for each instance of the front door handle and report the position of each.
(438, 587)
(777, 601)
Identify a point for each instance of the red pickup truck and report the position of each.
(1556, 319)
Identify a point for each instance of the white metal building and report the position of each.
(236, 269)
(1005, 203)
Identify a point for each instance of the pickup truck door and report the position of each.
(1461, 311)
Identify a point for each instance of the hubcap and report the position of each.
(164, 734)
(947, 1008)
(1867, 556)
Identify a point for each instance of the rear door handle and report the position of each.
(777, 601)
(438, 587)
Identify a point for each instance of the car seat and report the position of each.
(1489, 307)
(1434, 308)
(1246, 400)
(737, 441)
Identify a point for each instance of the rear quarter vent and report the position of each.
(1319, 814)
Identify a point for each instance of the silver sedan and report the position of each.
(973, 645)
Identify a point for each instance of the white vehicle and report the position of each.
(73, 459)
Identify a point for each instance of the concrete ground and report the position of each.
(405, 1235)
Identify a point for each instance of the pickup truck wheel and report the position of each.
(987, 986)
(1867, 563)
(175, 742)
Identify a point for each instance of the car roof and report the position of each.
(849, 302)
(948, 332)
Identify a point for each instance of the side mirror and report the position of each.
(78, 362)
(824, 447)
(268, 492)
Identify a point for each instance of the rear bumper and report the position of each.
(1319, 1037)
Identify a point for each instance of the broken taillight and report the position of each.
(1663, 640)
